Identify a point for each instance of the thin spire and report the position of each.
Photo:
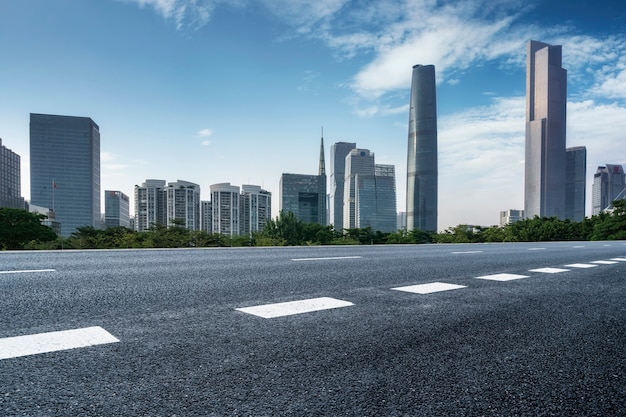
(322, 168)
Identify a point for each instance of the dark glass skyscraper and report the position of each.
(65, 169)
(421, 187)
(576, 183)
(546, 103)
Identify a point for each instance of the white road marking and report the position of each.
(549, 270)
(24, 271)
(429, 288)
(289, 308)
(536, 248)
(604, 262)
(502, 277)
(580, 266)
(327, 259)
(578, 247)
(467, 251)
(14, 347)
(619, 259)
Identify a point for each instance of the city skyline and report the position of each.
(170, 87)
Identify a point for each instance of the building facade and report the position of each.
(305, 196)
(338, 153)
(359, 162)
(150, 205)
(608, 182)
(575, 183)
(10, 180)
(225, 206)
(65, 169)
(511, 216)
(116, 209)
(255, 209)
(183, 204)
(422, 167)
(206, 216)
(546, 101)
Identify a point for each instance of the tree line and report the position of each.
(20, 229)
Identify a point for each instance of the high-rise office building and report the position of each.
(255, 209)
(358, 162)
(304, 196)
(546, 102)
(225, 205)
(608, 182)
(65, 169)
(10, 182)
(386, 209)
(575, 182)
(338, 153)
(183, 204)
(150, 207)
(116, 209)
(422, 171)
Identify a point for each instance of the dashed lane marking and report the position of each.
(619, 259)
(536, 248)
(604, 262)
(330, 258)
(502, 277)
(467, 251)
(580, 266)
(289, 308)
(24, 271)
(14, 347)
(429, 288)
(549, 270)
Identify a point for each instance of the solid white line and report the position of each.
(502, 277)
(429, 288)
(27, 270)
(580, 266)
(14, 347)
(549, 270)
(604, 262)
(327, 259)
(289, 308)
(467, 251)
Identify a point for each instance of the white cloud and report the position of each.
(206, 142)
(204, 133)
(194, 13)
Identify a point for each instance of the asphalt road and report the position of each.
(548, 343)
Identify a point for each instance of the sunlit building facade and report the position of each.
(225, 206)
(150, 205)
(608, 182)
(183, 204)
(255, 208)
(65, 169)
(338, 153)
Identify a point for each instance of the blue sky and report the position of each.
(237, 91)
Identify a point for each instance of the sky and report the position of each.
(213, 91)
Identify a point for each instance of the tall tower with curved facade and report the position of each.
(421, 185)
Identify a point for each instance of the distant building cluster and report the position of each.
(65, 174)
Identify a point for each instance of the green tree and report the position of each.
(611, 226)
(19, 227)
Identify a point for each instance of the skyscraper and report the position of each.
(65, 169)
(359, 162)
(422, 171)
(575, 182)
(608, 182)
(10, 182)
(546, 101)
(116, 206)
(305, 196)
(338, 153)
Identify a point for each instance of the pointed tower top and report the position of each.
(322, 168)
